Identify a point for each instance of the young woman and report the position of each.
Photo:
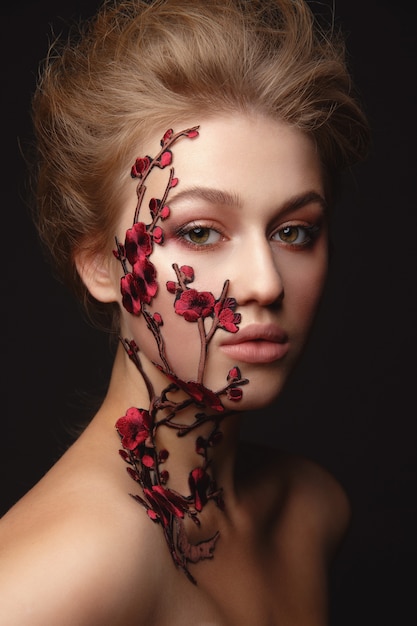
(188, 154)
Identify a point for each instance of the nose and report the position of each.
(257, 277)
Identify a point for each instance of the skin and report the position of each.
(77, 549)
(245, 244)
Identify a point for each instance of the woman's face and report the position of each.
(248, 207)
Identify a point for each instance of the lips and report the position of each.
(257, 344)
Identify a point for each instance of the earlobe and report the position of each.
(97, 275)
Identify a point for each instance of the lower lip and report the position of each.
(256, 351)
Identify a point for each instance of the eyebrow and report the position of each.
(232, 199)
(210, 194)
(298, 202)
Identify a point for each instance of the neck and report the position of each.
(210, 444)
(180, 447)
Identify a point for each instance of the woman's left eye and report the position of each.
(296, 235)
(200, 235)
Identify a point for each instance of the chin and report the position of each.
(257, 394)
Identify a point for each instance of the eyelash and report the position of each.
(311, 232)
(183, 231)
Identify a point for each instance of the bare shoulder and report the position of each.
(73, 551)
(319, 499)
(311, 503)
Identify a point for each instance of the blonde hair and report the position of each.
(139, 66)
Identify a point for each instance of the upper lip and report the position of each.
(260, 332)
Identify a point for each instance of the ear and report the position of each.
(98, 275)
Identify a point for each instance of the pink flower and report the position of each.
(139, 286)
(148, 460)
(131, 347)
(145, 274)
(124, 456)
(163, 455)
(134, 427)
(154, 205)
(157, 318)
(140, 167)
(172, 286)
(164, 503)
(198, 392)
(158, 235)
(164, 476)
(167, 136)
(234, 393)
(228, 319)
(166, 158)
(138, 243)
(199, 483)
(132, 473)
(131, 294)
(202, 395)
(165, 212)
(234, 374)
(187, 273)
(193, 304)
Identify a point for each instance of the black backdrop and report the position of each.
(356, 410)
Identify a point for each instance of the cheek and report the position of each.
(180, 338)
(305, 287)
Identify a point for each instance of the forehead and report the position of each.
(243, 158)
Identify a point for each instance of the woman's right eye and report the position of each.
(199, 235)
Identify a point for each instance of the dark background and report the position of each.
(350, 405)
